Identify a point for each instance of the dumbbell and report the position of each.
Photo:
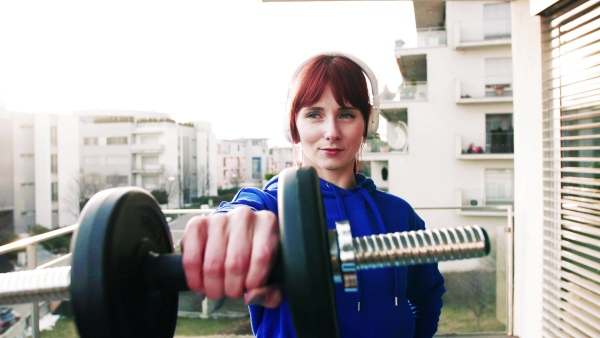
(124, 279)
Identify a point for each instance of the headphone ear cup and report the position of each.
(373, 121)
(287, 134)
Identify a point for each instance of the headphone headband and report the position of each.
(373, 120)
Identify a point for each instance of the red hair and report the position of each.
(346, 79)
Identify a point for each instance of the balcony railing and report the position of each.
(484, 89)
(487, 293)
(413, 91)
(152, 148)
(482, 198)
(149, 169)
(426, 37)
(495, 144)
(481, 33)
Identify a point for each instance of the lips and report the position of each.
(331, 151)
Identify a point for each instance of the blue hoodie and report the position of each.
(390, 302)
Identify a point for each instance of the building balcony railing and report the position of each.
(482, 33)
(413, 91)
(493, 145)
(426, 37)
(488, 89)
(480, 198)
(489, 285)
(147, 148)
(149, 169)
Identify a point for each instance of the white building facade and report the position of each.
(40, 163)
(149, 150)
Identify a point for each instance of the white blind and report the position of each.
(571, 287)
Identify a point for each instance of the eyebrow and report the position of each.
(321, 108)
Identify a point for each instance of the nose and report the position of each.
(332, 130)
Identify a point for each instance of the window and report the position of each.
(499, 135)
(499, 189)
(498, 77)
(116, 140)
(117, 180)
(90, 141)
(149, 139)
(91, 160)
(54, 163)
(150, 182)
(53, 135)
(149, 160)
(256, 168)
(117, 160)
(496, 21)
(54, 191)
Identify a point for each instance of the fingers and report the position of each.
(238, 251)
(231, 253)
(265, 245)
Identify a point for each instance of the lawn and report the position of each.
(454, 319)
(459, 319)
(65, 327)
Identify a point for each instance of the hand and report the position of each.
(229, 254)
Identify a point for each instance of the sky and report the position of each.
(224, 61)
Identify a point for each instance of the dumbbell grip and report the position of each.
(165, 273)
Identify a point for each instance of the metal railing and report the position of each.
(30, 245)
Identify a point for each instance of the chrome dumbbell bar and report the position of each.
(401, 249)
(347, 256)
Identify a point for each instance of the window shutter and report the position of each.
(571, 61)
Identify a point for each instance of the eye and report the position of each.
(312, 115)
(347, 115)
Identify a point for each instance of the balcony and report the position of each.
(482, 33)
(151, 148)
(149, 169)
(478, 306)
(493, 145)
(487, 89)
(407, 92)
(426, 38)
(476, 202)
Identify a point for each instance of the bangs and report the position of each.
(346, 79)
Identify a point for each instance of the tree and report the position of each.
(161, 196)
(170, 184)
(203, 182)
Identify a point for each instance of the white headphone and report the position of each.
(374, 113)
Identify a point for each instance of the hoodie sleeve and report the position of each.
(424, 291)
(254, 198)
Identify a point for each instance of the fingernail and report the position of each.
(200, 296)
(256, 300)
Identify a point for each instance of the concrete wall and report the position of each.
(68, 169)
(527, 63)
(43, 176)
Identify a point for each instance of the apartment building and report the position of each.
(279, 159)
(39, 169)
(242, 162)
(146, 149)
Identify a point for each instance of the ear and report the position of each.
(297, 150)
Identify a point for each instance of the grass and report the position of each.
(454, 319)
(459, 319)
(65, 327)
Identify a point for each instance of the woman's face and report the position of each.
(331, 136)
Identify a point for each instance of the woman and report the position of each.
(231, 252)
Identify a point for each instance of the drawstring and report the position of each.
(344, 215)
(382, 230)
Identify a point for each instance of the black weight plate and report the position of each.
(305, 252)
(116, 228)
